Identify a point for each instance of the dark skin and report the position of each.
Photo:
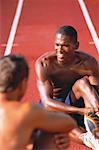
(58, 71)
(68, 70)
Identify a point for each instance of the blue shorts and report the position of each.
(78, 103)
(67, 101)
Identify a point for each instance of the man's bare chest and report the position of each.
(63, 76)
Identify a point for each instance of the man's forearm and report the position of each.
(61, 107)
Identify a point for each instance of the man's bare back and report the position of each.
(14, 125)
(19, 119)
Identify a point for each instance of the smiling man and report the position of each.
(68, 79)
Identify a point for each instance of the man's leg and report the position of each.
(83, 88)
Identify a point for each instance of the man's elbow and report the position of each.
(47, 105)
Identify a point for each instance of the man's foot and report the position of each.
(91, 121)
(91, 141)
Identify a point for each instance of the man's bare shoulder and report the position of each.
(21, 109)
(87, 62)
(27, 112)
(85, 56)
(45, 59)
(15, 113)
(43, 65)
(30, 109)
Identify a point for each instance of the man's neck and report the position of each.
(5, 97)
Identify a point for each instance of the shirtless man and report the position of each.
(18, 119)
(68, 79)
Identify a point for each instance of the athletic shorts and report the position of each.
(78, 103)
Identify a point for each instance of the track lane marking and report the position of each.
(89, 24)
(14, 28)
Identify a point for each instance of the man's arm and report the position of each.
(45, 90)
(93, 80)
(51, 121)
(83, 88)
(88, 86)
(38, 118)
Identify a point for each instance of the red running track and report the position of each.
(35, 34)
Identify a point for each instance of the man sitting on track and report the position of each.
(68, 79)
(19, 119)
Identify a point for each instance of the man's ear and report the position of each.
(22, 84)
(77, 45)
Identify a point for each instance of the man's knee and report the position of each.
(81, 83)
(79, 86)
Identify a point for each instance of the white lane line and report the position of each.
(89, 24)
(4, 45)
(14, 28)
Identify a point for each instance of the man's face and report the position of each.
(64, 46)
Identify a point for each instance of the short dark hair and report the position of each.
(68, 30)
(13, 69)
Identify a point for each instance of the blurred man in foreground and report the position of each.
(19, 119)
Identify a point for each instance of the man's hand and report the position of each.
(96, 110)
(61, 140)
(83, 111)
(91, 121)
